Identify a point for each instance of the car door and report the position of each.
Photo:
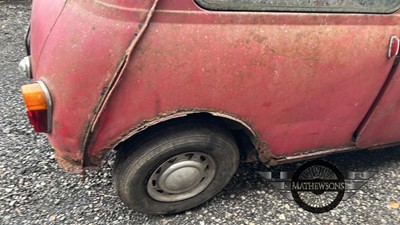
(381, 126)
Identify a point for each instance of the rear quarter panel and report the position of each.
(303, 82)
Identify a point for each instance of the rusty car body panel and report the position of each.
(301, 84)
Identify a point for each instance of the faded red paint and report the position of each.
(302, 82)
(41, 25)
(78, 68)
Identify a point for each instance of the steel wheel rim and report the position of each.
(181, 177)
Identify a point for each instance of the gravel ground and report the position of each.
(34, 190)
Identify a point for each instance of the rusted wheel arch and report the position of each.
(249, 142)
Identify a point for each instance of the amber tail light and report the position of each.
(38, 104)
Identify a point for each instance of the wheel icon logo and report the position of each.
(318, 186)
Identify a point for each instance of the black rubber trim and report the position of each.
(28, 41)
(260, 7)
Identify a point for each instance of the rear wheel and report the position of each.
(176, 168)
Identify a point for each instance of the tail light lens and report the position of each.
(38, 104)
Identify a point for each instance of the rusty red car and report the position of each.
(185, 89)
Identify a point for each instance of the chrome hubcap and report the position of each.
(181, 177)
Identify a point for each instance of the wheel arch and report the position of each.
(250, 145)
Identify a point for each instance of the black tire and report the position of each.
(175, 148)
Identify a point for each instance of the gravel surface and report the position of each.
(34, 190)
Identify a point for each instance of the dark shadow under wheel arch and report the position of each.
(245, 138)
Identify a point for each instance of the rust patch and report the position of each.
(264, 154)
(68, 164)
